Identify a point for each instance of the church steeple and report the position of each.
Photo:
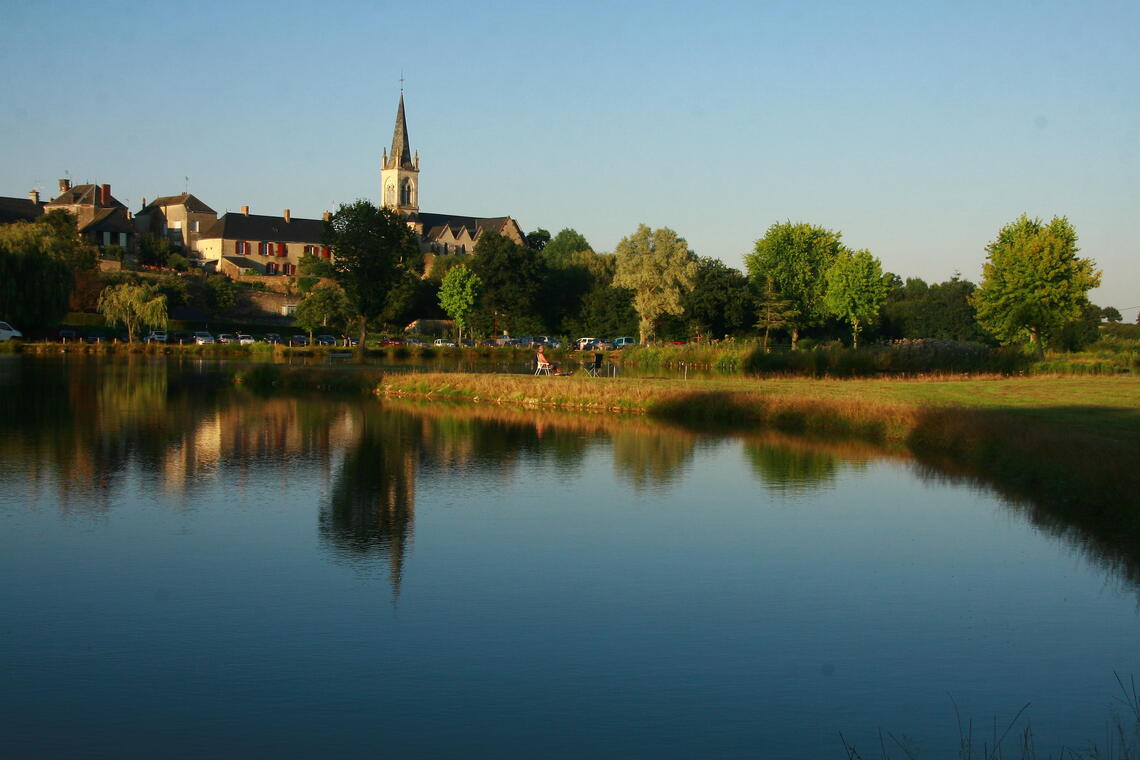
(399, 172)
(401, 155)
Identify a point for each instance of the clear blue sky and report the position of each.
(915, 129)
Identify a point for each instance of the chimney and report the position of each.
(245, 210)
(326, 216)
(34, 196)
(104, 195)
(287, 216)
(64, 185)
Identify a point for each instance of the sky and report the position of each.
(917, 130)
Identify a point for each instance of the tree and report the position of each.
(564, 245)
(1111, 314)
(943, 310)
(856, 290)
(512, 277)
(133, 306)
(537, 240)
(373, 249)
(1033, 281)
(458, 294)
(40, 263)
(720, 302)
(154, 250)
(659, 268)
(323, 306)
(797, 256)
(776, 312)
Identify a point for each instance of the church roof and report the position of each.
(401, 155)
(435, 223)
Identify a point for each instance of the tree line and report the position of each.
(800, 282)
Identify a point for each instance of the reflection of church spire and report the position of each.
(371, 508)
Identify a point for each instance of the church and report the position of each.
(437, 233)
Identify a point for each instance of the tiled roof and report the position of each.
(84, 195)
(191, 202)
(19, 210)
(474, 224)
(105, 220)
(275, 229)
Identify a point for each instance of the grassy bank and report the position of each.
(1115, 353)
(885, 410)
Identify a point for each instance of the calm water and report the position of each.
(187, 570)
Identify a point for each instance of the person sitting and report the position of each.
(544, 365)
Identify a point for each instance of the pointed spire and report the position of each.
(401, 155)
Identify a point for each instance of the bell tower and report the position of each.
(399, 171)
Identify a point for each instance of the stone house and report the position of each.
(267, 245)
(182, 218)
(99, 216)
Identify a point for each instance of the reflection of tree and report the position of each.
(786, 469)
(651, 458)
(372, 504)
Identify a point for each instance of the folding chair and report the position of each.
(594, 368)
(542, 368)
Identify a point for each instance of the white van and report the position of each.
(7, 332)
(583, 343)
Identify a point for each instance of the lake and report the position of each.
(192, 570)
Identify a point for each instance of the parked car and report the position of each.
(156, 336)
(326, 340)
(181, 338)
(272, 338)
(95, 337)
(299, 340)
(415, 342)
(350, 340)
(624, 341)
(444, 343)
(202, 337)
(392, 342)
(7, 332)
(66, 336)
(585, 343)
(227, 338)
(245, 340)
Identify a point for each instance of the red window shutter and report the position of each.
(325, 252)
(237, 247)
(280, 249)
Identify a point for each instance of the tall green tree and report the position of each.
(512, 277)
(720, 302)
(373, 249)
(659, 268)
(1033, 282)
(796, 256)
(856, 290)
(458, 294)
(134, 307)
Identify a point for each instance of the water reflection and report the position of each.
(81, 427)
(369, 512)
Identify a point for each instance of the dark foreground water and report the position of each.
(187, 570)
